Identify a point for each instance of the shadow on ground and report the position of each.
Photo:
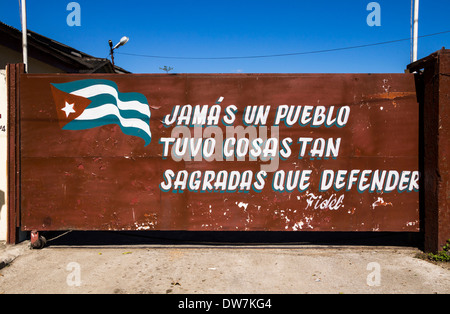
(236, 238)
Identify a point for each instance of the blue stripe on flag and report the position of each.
(107, 120)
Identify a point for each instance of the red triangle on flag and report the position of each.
(68, 106)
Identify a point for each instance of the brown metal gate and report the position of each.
(315, 152)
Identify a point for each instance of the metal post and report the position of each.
(24, 35)
(111, 52)
(416, 29)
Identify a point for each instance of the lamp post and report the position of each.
(122, 42)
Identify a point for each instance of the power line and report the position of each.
(281, 54)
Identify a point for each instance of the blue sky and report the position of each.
(214, 28)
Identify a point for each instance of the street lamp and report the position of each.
(122, 42)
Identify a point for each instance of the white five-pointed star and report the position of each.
(68, 109)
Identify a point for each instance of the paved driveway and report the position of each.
(199, 269)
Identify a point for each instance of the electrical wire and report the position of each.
(59, 236)
(281, 54)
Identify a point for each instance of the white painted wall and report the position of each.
(3, 155)
(35, 66)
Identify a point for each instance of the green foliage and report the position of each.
(442, 256)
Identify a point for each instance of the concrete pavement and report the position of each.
(207, 269)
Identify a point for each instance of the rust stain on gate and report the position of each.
(351, 163)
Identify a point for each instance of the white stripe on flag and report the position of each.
(99, 89)
(111, 109)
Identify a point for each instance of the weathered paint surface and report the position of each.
(103, 179)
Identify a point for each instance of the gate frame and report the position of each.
(432, 76)
(13, 73)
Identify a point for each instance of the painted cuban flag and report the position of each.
(91, 103)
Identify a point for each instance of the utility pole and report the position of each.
(111, 51)
(24, 35)
(415, 30)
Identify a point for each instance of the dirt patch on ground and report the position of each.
(425, 257)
